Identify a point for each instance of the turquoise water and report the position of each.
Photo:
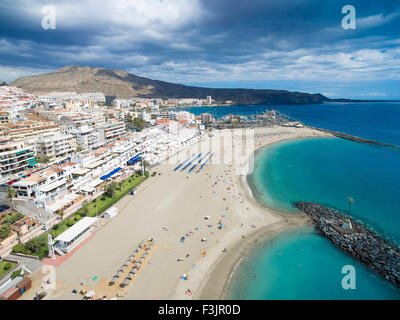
(328, 171)
(302, 265)
(324, 170)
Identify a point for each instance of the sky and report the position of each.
(297, 45)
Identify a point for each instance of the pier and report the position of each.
(355, 138)
(355, 239)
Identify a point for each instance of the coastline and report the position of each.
(216, 284)
(181, 201)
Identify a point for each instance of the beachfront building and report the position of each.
(43, 186)
(73, 236)
(49, 192)
(15, 157)
(54, 147)
(205, 118)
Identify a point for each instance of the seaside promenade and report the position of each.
(167, 207)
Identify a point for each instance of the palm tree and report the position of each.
(86, 209)
(145, 164)
(61, 213)
(10, 195)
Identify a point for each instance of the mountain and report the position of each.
(126, 85)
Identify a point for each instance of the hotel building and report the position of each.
(15, 157)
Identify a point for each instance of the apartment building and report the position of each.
(86, 137)
(111, 130)
(55, 147)
(15, 157)
(5, 117)
(43, 187)
(71, 123)
(27, 130)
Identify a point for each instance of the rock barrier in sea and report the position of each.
(355, 138)
(355, 239)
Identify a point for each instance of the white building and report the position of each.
(86, 137)
(15, 157)
(73, 236)
(111, 130)
(54, 147)
(110, 213)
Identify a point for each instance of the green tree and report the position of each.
(43, 159)
(110, 189)
(85, 208)
(33, 245)
(8, 266)
(3, 84)
(4, 232)
(139, 124)
(16, 273)
(61, 213)
(145, 165)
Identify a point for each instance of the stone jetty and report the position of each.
(355, 138)
(363, 244)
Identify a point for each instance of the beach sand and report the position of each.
(180, 201)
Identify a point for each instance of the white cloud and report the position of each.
(11, 73)
(375, 20)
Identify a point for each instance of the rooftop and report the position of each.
(76, 229)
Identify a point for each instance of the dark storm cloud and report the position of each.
(205, 40)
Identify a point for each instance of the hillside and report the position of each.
(125, 85)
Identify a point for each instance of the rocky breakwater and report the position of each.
(363, 244)
(355, 138)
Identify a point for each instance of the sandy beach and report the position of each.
(190, 205)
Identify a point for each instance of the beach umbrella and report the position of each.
(130, 276)
(134, 270)
(127, 262)
(114, 279)
(147, 251)
(137, 264)
(145, 255)
(123, 267)
(125, 282)
(203, 239)
(131, 257)
(89, 294)
(119, 272)
(141, 259)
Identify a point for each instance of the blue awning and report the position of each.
(110, 174)
(135, 159)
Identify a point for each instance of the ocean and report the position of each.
(376, 121)
(302, 264)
